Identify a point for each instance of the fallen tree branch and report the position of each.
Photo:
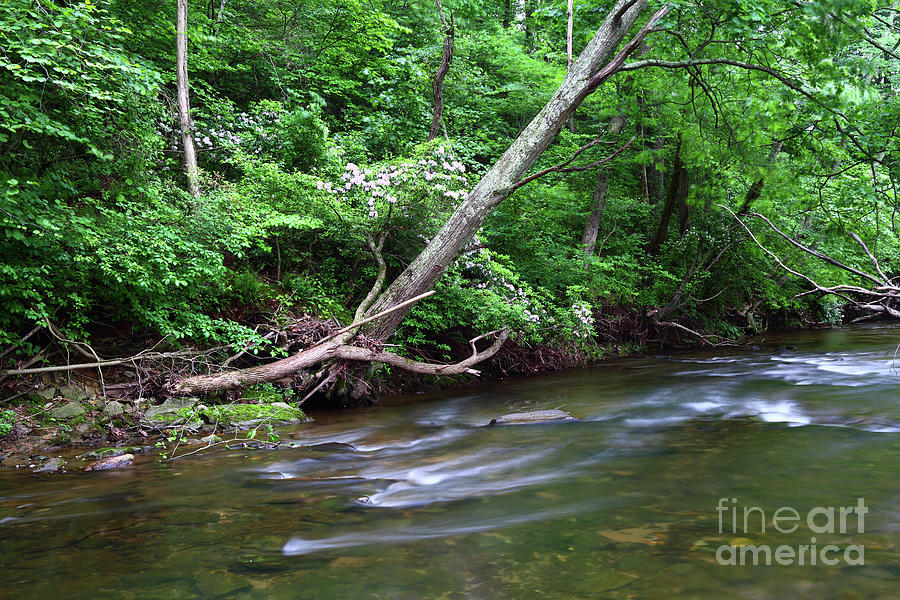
(108, 363)
(332, 350)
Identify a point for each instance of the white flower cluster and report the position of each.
(512, 293)
(584, 319)
(385, 184)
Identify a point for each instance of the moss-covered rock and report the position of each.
(173, 409)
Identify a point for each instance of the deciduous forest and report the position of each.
(209, 194)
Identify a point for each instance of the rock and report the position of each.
(113, 409)
(167, 412)
(73, 392)
(115, 462)
(51, 466)
(282, 405)
(44, 394)
(68, 410)
(112, 452)
(533, 416)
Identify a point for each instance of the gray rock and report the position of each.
(73, 392)
(283, 405)
(68, 410)
(115, 462)
(51, 466)
(45, 394)
(533, 416)
(113, 409)
(164, 410)
(111, 452)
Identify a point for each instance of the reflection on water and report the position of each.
(418, 499)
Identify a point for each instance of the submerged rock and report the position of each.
(533, 416)
(51, 466)
(115, 462)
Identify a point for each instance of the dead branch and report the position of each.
(564, 167)
(704, 338)
(878, 300)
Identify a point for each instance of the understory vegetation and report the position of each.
(310, 124)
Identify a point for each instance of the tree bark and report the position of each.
(443, 68)
(529, 26)
(592, 227)
(677, 195)
(756, 188)
(570, 11)
(184, 105)
(507, 14)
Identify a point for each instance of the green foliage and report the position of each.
(309, 119)
(7, 420)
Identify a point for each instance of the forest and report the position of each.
(202, 197)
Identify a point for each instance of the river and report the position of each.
(418, 499)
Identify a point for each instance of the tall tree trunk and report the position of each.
(569, 22)
(592, 227)
(598, 204)
(677, 196)
(756, 188)
(507, 14)
(659, 171)
(596, 63)
(529, 26)
(443, 68)
(184, 105)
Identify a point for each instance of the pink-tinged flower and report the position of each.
(390, 199)
(328, 186)
(352, 167)
(320, 185)
(348, 185)
(429, 175)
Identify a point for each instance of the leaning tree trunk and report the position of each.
(586, 74)
(184, 105)
(595, 65)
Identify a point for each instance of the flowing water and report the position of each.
(417, 498)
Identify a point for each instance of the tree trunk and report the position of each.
(507, 14)
(592, 227)
(438, 83)
(756, 188)
(529, 26)
(588, 71)
(569, 16)
(677, 196)
(184, 105)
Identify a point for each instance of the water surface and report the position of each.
(418, 499)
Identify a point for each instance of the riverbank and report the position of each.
(77, 413)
